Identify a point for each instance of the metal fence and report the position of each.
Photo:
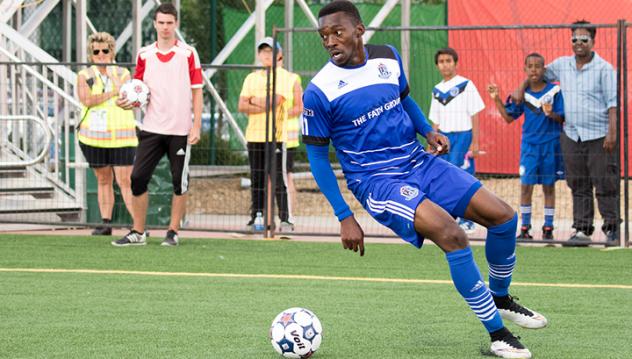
(220, 192)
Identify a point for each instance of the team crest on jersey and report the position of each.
(546, 99)
(409, 192)
(454, 91)
(384, 73)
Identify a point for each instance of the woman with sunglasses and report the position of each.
(107, 133)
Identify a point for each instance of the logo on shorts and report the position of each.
(307, 112)
(409, 192)
(181, 152)
(384, 73)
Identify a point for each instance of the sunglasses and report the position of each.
(583, 38)
(97, 51)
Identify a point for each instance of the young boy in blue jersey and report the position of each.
(454, 110)
(540, 151)
(359, 101)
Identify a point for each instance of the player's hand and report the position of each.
(437, 143)
(351, 235)
(493, 91)
(610, 143)
(194, 135)
(124, 104)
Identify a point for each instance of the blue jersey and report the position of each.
(359, 110)
(537, 128)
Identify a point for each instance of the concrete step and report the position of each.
(27, 204)
(36, 187)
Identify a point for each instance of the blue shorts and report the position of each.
(393, 199)
(460, 143)
(541, 163)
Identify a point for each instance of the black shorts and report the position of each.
(151, 148)
(99, 157)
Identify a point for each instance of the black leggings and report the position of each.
(256, 157)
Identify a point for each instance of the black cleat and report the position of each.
(524, 233)
(507, 345)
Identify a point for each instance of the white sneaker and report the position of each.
(508, 346)
(510, 310)
(133, 238)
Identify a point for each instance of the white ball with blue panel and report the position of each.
(296, 333)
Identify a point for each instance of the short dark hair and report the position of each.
(534, 54)
(591, 29)
(341, 6)
(166, 8)
(447, 51)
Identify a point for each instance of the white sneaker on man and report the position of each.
(133, 238)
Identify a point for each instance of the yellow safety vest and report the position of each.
(106, 125)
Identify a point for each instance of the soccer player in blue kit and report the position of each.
(540, 150)
(359, 101)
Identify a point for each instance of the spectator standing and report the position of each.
(172, 71)
(454, 111)
(252, 101)
(107, 133)
(540, 152)
(589, 138)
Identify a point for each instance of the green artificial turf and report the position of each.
(110, 315)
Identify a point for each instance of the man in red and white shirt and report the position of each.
(171, 69)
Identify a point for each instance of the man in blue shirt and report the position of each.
(359, 101)
(540, 152)
(589, 140)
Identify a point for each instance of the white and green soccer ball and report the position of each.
(296, 333)
(136, 92)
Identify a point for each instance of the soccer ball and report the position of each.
(296, 333)
(136, 92)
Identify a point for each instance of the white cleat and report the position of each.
(508, 346)
(510, 310)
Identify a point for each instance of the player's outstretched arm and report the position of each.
(494, 93)
(351, 233)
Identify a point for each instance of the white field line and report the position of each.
(298, 276)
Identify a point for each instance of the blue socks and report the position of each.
(469, 282)
(500, 250)
(549, 214)
(525, 213)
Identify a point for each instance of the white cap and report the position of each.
(268, 41)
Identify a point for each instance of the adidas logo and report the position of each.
(341, 84)
(477, 286)
(181, 152)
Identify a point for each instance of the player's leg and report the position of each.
(436, 224)
(501, 221)
(549, 211)
(526, 194)
(179, 154)
(150, 150)
(105, 196)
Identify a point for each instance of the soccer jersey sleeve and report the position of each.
(139, 73)
(316, 123)
(404, 89)
(433, 114)
(195, 69)
(514, 110)
(475, 103)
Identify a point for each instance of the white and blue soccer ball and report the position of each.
(296, 333)
(136, 92)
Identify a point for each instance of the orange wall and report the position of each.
(497, 56)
